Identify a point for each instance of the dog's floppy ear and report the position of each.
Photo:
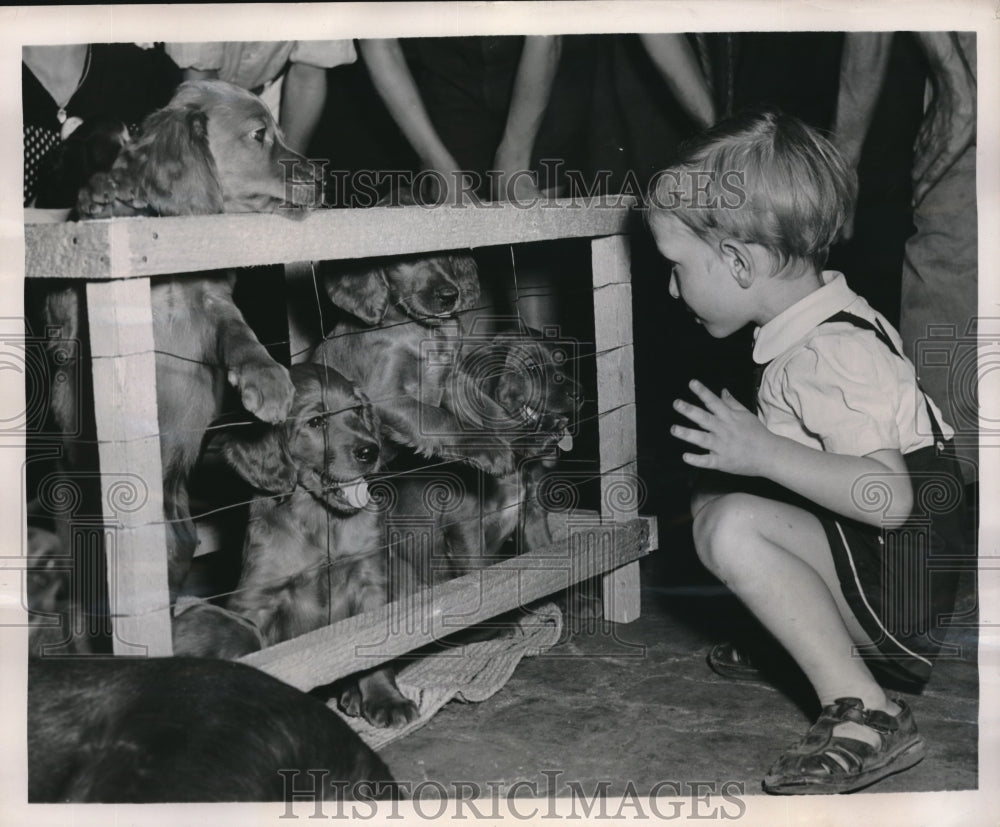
(257, 453)
(363, 293)
(170, 167)
(466, 274)
(507, 346)
(515, 358)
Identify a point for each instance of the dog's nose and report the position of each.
(573, 394)
(447, 295)
(366, 454)
(559, 423)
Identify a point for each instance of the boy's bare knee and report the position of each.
(721, 528)
(701, 498)
(710, 486)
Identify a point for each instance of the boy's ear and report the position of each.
(740, 260)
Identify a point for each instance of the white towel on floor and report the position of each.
(470, 673)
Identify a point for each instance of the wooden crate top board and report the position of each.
(135, 247)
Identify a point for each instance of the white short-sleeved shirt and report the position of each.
(835, 386)
(252, 64)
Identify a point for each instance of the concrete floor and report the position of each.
(637, 704)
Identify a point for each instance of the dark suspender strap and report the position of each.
(858, 321)
(758, 376)
(879, 331)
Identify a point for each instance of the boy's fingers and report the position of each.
(692, 435)
(698, 460)
(699, 416)
(708, 399)
(732, 402)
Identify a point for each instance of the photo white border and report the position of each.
(20, 25)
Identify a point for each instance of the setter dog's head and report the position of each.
(427, 289)
(328, 444)
(214, 148)
(532, 379)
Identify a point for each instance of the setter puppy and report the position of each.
(214, 148)
(313, 553)
(472, 516)
(402, 348)
(144, 730)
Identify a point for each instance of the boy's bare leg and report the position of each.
(775, 557)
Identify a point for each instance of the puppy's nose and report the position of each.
(573, 393)
(447, 295)
(366, 454)
(559, 423)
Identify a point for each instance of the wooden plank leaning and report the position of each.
(365, 641)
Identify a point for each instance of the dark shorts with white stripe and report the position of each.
(901, 583)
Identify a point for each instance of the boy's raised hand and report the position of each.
(735, 439)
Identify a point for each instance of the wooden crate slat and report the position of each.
(159, 246)
(613, 304)
(121, 337)
(611, 264)
(622, 594)
(68, 250)
(618, 449)
(615, 379)
(365, 641)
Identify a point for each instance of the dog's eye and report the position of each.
(259, 135)
(316, 422)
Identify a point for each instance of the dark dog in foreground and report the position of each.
(185, 730)
(214, 148)
(471, 516)
(90, 149)
(314, 554)
(402, 348)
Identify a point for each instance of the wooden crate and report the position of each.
(117, 257)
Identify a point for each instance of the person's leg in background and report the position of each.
(539, 286)
(940, 302)
(940, 275)
(873, 257)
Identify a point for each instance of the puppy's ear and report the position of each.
(516, 365)
(507, 351)
(170, 167)
(466, 275)
(257, 453)
(363, 294)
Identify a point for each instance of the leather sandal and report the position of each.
(826, 763)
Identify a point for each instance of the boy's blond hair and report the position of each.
(764, 178)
